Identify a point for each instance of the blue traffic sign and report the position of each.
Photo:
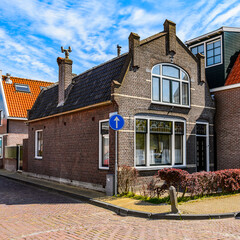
(116, 122)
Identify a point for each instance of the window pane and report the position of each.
(156, 70)
(185, 98)
(201, 129)
(209, 61)
(160, 149)
(179, 128)
(141, 149)
(209, 53)
(201, 49)
(209, 46)
(175, 92)
(184, 76)
(166, 90)
(104, 128)
(39, 143)
(217, 51)
(170, 71)
(217, 44)
(141, 125)
(155, 89)
(194, 50)
(178, 149)
(160, 127)
(22, 88)
(105, 150)
(217, 59)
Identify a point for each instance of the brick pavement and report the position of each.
(27, 212)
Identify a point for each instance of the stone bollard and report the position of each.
(173, 199)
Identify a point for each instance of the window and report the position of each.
(38, 143)
(104, 144)
(22, 88)
(159, 142)
(1, 147)
(213, 52)
(198, 49)
(170, 85)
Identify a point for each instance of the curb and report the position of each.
(128, 212)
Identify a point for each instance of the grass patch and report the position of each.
(166, 200)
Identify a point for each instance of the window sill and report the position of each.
(171, 104)
(159, 167)
(39, 158)
(103, 168)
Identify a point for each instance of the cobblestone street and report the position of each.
(27, 212)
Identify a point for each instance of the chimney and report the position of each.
(170, 28)
(65, 75)
(134, 43)
(119, 50)
(8, 80)
(201, 68)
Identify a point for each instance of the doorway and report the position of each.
(202, 146)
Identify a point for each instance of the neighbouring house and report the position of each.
(159, 88)
(228, 120)
(219, 47)
(17, 95)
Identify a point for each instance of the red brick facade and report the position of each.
(228, 128)
(71, 146)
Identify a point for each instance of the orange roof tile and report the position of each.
(234, 75)
(19, 102)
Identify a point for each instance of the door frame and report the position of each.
(207, 142)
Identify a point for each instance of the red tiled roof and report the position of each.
(19, 102)
(234, 75)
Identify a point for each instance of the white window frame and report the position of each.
(205, 49)
(173, 120)
(36, 143)
(207, 142)
(172, 79)
(100, 146)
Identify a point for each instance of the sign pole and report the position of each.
(116, 163)
(116, 122)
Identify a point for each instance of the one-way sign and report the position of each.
(116, 122)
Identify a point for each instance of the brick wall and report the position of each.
(228, 128)
(25, 155)
(71, 146)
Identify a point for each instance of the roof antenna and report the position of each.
(119, 50)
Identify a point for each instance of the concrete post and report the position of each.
(173, 199)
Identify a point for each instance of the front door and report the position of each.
(201, 154)
(202, 146)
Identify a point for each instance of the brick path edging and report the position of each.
(128, 212)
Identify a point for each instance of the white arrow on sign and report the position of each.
(116, 120)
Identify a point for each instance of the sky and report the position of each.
(33, 31)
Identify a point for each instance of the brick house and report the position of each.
(159, 88)
(16, 96)
(228, 120)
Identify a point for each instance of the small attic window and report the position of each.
(22, 88)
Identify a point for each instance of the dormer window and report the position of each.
(170, 85)
(22, 88)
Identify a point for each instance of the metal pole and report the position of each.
(116, 163)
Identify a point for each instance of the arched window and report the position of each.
(170, 85)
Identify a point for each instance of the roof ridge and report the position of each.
(27, 79)
(113, 59)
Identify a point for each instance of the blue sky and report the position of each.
(32, 31)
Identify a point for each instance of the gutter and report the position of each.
(225, 87)
(72, 111)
